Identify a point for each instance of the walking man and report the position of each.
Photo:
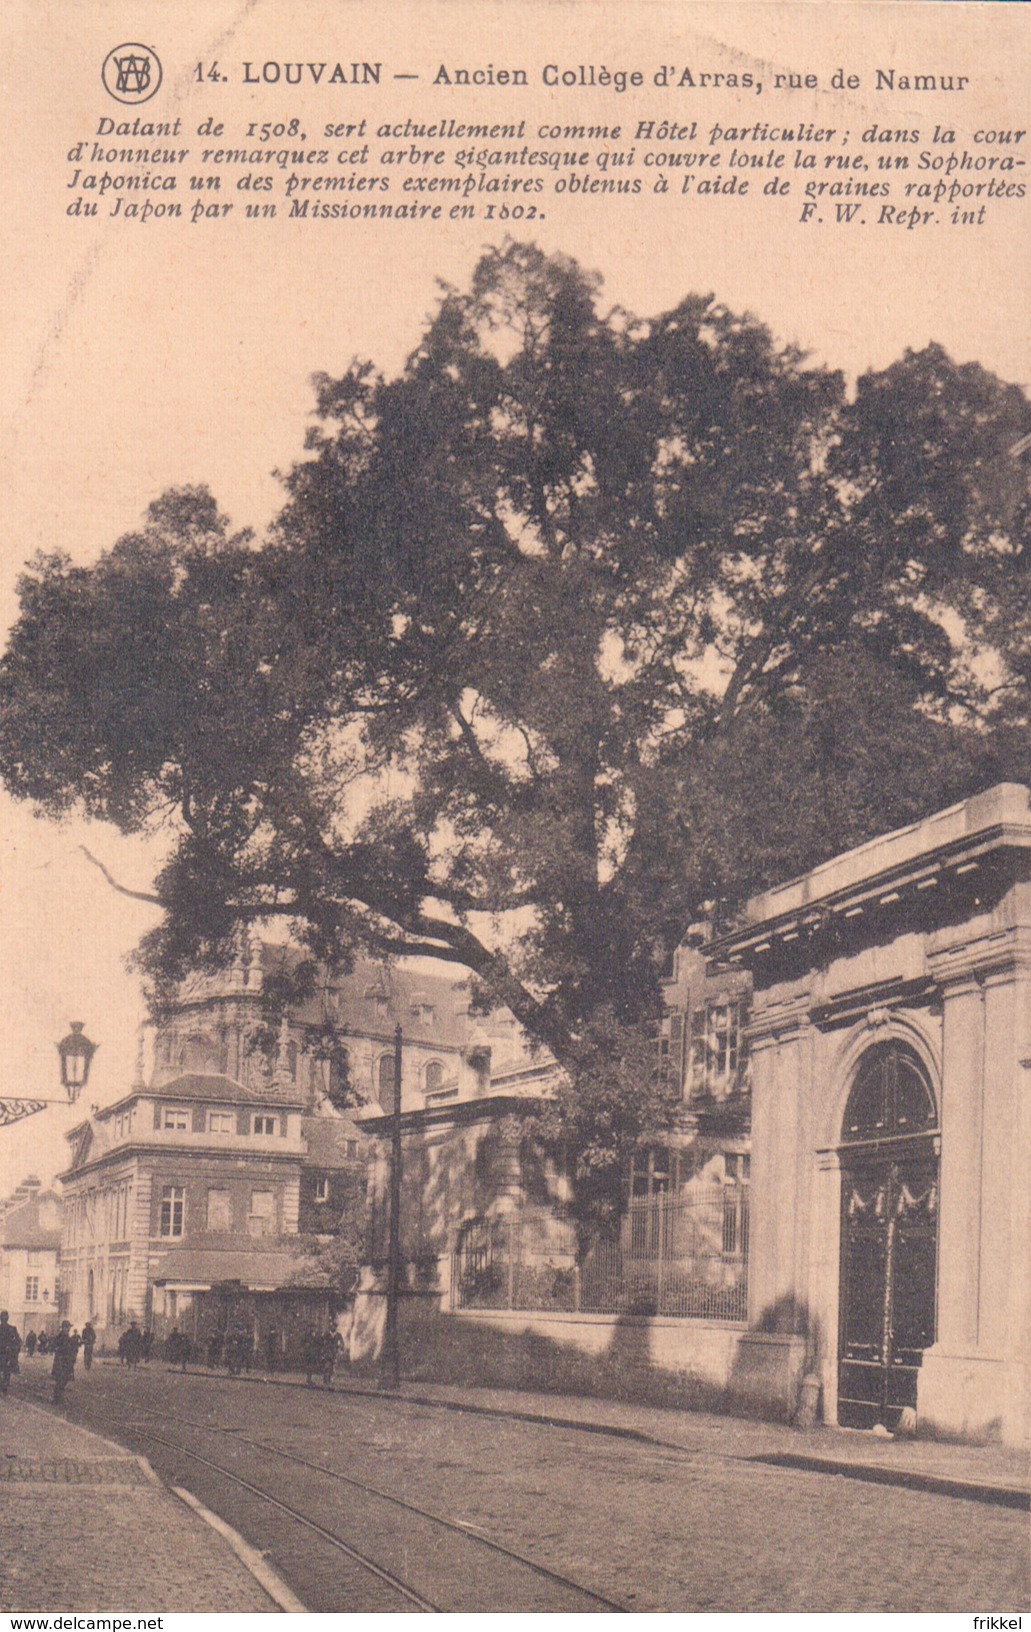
(66, 1351)
(89, 1341)
(131, 1345)
(10, 1347)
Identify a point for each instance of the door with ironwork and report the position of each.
(889, 1231)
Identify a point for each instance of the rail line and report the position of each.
(542, 1571)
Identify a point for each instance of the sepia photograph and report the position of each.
(515, 807)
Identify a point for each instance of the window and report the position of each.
(670, 1049)
(352, 1148)
(651, 1172)
(890, 1097)
(175, 1118)
(218, 1210)
(649, 1187)
(34, 1259)
(123, 1124)
(261, 1220)
(735, 1207)
(386, 1082)
(221, 1122)
(173, 1207)
(264, 1124)
(32, 1289)
(434, 1076)
(719, 1057)
(321, 1189)
(339, 1076)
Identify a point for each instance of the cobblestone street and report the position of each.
(89, 1532)
(646, 1526)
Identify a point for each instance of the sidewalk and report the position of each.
(88, 1528)
(993, 1473)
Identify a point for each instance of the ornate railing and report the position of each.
(684, 1256)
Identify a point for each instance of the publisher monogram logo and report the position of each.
(131, 73)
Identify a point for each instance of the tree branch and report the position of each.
(122, 889)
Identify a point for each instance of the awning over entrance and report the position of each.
(197, 1268)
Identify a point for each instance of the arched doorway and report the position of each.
(889, 1235)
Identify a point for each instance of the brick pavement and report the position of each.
(987, 1468)
(88, 1528)
(919, 1463)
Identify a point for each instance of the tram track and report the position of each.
(581, 1595)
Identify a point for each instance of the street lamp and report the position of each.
(76, 1052)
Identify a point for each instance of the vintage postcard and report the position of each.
(515, 749)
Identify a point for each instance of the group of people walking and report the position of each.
(233, 1349)
(321, 1352)
(64, 1346)
(134, 1346)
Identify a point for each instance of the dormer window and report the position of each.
(264, 1125)
(221, 1122)
(175, 1118)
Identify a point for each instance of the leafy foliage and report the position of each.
(579, 622)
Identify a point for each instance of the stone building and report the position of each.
(196, 1197)
(845, 1199)
(486, 1228)
(891, 1096)
(30, 1240)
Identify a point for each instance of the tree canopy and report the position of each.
(581, 621)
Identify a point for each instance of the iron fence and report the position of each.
(682, 1255)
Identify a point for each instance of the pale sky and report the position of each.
(136, 357)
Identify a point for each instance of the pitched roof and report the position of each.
(22, 1225)
(215, 1086)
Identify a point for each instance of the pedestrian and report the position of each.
(65, 1351)
(89, 1343)
(10, 1348)
(44, 1343)
(214, 1354)
(311, 1354)
(131, 1345)
(146, 1345)
(271, 1348)
(178, 1348)
(329, 1348)
(30, 1343)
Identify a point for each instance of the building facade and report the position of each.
(30, 1241)
(891, 1091)
(209, 1184)
(487, 1233)
(845, 1201)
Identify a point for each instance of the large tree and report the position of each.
(580, 621)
